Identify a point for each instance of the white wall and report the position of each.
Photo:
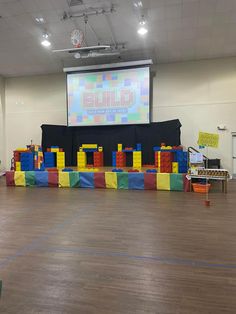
(201, 94)
(31, 102)
(2, 122)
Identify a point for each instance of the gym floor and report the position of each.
(112, 251)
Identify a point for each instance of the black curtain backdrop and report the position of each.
(149, 135)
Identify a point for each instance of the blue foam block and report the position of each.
(86, 179)
(41, 178)
(136, 180)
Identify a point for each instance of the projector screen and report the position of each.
(109, 97)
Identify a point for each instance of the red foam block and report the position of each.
(99, 180)
(10, 178)
(150, 181)
(53, 179)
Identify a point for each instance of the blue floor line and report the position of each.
(36, 243)
(163, 260)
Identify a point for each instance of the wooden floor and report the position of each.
(105, 251)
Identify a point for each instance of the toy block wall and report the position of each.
(49, 160)
(120, 159)
(182, 159)
(137, 159)
(166, 159)
(81, 160)
(60, 160)
(98, 159)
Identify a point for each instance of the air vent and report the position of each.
(73, 3)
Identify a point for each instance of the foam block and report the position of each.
(10, 178)
(99, 180)
(64, 179)
(86, 180)
(163, 181)
(176, 182)
(111, 180)
(150, 181)
(30, 178)
(122, 180)
(136, 180)
(19, 178)
(74, 179)
(53, 179)
(41, 178)
(186, 183)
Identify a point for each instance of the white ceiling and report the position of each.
(179, 30)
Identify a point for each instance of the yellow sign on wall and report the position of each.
(208, 139)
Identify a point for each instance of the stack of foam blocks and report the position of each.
(171, 160)
(182, 159)
(38, 156)
(137, 159)
(98, 159)
(16, 156)
(81, 160)
(54, 157)
(118, 159)
(49, 160)
(166, 159)
(61, 160)
(27, 161)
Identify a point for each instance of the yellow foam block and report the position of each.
(175, 167)
(54, 150)
(88, 146)
(119, 147)
(159, 159)
(64, 179)
(166, 147)
(100, 149)
(19, 178)
(88, 169)
(163, 181)
(61, 160)
(111, 180)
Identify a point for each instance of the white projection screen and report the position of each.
(110, 97)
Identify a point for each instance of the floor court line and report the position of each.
(162, 260)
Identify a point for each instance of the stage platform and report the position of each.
(99, 179)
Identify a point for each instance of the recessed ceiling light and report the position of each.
(45, 41)
(142, 22)
(138, 4)
(142, 31)
(40, 20)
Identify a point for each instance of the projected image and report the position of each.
(108, 98)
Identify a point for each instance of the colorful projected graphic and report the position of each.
(108, 98)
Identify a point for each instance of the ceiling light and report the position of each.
(138, 4)
(142, 22)
(45, 41)
(77, 55)
(142, 31)
(40, 20)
